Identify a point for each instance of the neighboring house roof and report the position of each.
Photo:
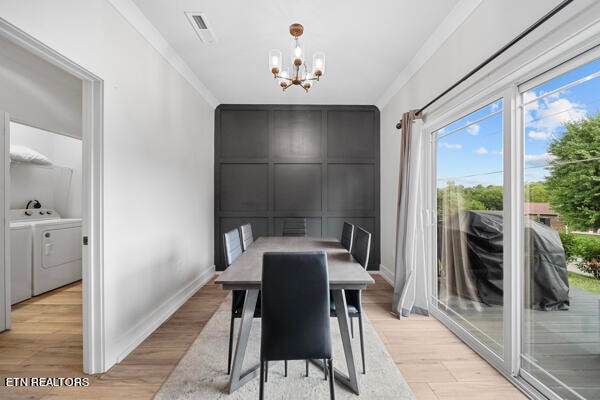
(539, 208)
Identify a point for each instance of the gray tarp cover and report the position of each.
(545, 264)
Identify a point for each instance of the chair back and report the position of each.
(347, 233)
(294, 227)
(233, 246)
(361, 246)
(247, 238)
(295, 306)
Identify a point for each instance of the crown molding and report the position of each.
(457, 16)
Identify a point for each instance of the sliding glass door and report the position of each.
(470, 223)
(561, 310)
(517, 237)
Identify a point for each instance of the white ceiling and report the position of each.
(367, 44)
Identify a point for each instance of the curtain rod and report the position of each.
(526, 32)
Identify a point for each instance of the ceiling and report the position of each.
(366, 48)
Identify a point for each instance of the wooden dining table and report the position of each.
(245, 273)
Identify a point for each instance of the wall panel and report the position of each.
(319, 162)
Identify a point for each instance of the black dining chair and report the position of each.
(247, 238)
(361, 246)
(294, 227)
(294, 329)
(347, 233)
(233, 249)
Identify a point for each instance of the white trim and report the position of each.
(140, 331)
(92, 194)
(387, 274)
(513, 256)
(455, 18)
(5, 304)
(138, 20)
(93, 227)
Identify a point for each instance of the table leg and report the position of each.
(237, 379)
(351, 381)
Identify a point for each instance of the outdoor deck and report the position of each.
(564, 344)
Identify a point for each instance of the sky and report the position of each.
(469, 150)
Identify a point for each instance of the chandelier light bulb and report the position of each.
(275, 62)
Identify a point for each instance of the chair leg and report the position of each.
(351, 327)
(331, 391)
(325, 368)
(285, 368)
(362, 342)
(307, 368)
(266, 370)
(230, 345)
(261, 386)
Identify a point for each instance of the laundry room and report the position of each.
(44, 210)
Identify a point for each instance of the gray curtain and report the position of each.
(411, 283)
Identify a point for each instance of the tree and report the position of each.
(574, 182)
(485, 197)
(536, 192)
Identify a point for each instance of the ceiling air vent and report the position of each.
(201, 26)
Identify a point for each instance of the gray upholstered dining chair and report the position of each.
(293, 329)
(361, 247)
(347, 233)
(247, 238)
(233, 249)
(294, 227)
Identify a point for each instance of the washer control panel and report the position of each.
(32, 214)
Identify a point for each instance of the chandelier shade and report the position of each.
(299, 73)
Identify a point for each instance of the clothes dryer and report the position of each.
(56, 253)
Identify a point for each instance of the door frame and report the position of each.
(92, 195)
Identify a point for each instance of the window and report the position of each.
(469, 209)
(561, 312)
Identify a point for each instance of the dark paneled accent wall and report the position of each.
(318, 162)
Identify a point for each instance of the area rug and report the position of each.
(202, 372)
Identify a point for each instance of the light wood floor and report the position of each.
(46, 341)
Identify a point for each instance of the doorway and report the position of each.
(90, 128)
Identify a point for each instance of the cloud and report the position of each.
(495, 106)
(473, 129)
(450, 145)
(539, 160)
(481, 150)
(550, 113)
(539, 135)
(496, 152)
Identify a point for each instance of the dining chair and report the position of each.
(294, 329)
(247, 238)
(361, 246)
(294, 227)
(233, 249)
(347, 232)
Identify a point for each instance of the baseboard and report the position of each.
(387, 274)
(138, 333)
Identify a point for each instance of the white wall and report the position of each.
(486, 30)
(63, 151)
(158, 164)
(38, 93)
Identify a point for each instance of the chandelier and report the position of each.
(300, 74)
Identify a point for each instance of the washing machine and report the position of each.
(20, 261)
(56, 245)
